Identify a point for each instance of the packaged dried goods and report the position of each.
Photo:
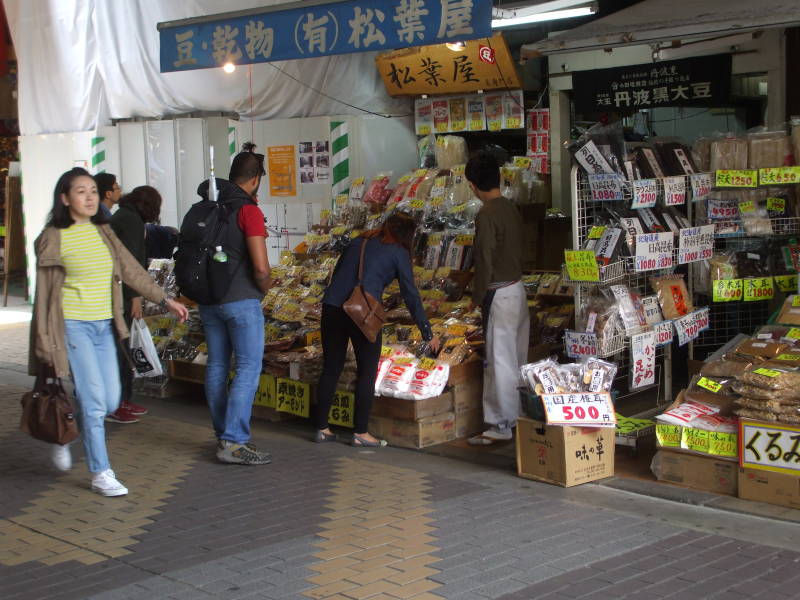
(686, 412)
(762, 348)
(772, 379)
(728, 153)
(769, 149)
(598, 375)
(672, 295)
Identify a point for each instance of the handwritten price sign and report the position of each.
(654, 251)
(581, 265)
(580, 410)
(695, 243)
(645, 193)
(779, 175)
(688, 327)
(747, 178)
(606, 186)
(579, 344)
(643, 359)
(756, 289)
(663, 333)
(701, 186)
(727, 290)
(786, 283)
(674, 191)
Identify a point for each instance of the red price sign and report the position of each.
(756, 289)
(580, 410)
(701, 185)
(687, 328)
(746, 178)
(674, 191)
(663, 333)
(645, 193)
(580, 343)
(605, 186)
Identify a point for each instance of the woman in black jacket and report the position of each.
(141, 206)
(387, 257)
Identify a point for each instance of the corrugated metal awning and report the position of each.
(653, 21)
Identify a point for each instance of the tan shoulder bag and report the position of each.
(365, 311)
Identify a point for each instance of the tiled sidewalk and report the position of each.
(330, 521)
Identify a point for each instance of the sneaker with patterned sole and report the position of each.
(135, 409)
(241, 454)
(122, 415)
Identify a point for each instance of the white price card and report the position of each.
(695, 243)
(674, 191)
(643, 360)
(645, 193)
(722, 209)
(664, 333)
(701, 186)
(654, 251)
(580, 343)
(702, 317)
(687, 328)
(769, 446)
(580, 409)
(606, 186)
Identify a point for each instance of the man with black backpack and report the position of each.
(222, 264)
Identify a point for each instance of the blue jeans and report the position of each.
(238, 327)
(91, 351)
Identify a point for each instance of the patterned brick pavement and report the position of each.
(330, 521)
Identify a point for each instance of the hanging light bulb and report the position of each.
(456, 46)
(229, 67)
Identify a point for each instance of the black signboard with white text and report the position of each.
(704, 81)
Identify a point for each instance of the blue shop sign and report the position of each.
(320, 30)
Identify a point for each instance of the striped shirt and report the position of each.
(89, 270)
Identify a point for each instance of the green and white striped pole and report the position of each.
(232, 142)
(98, 154)
(340, 158)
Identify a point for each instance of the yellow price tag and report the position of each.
(796, 301)
(711, 386)
(767, 372)
(420, 172)
(793, 334)
(437, 200)
(404, 178)
(523, 162)
(417, 203)
(457, 209)
(343, 408)
(475, 125)
(513, 123)
(293, 397)
(464, 239)
(726, 290)
(779, 175)
(776, 205)
(458, 329)
(426, 364)
(737, 178)
(341, 199)
(324, 214)
(757, 289)
(789, 357)
(668, 436)
(341, 230)
(582, 265)
(459, 170)
(626, 425)
(458, 125)
(424, 130)
(359, 181)
(695, 439)
(442, 127)
(721, 443)
(386, 351)
(495, 125)
(747, 207)
(786, 283)
(596, 232)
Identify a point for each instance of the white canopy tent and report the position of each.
(85, 62)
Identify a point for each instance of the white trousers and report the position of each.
(507, 335)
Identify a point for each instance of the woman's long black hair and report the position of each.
(59, 215)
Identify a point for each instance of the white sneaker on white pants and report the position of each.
(507, 335)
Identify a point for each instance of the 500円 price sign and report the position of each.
(769, 446)
(580, 410)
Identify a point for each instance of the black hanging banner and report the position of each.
(703, 81)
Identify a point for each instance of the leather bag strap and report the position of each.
(361, 261)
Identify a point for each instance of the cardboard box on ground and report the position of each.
(564, 456)
(766, 486)
(698, 472)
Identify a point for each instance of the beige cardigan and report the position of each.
(47, 342)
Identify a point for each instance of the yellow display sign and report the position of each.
(736, 178)
(523, 162)
(726, 290)
(343, 408)
(767, 372)
(596, 232)
(788, 357)
(779, 175)
(668, 436)
(293, 397)
(796, 301)
(581, 265)
(756, 289)
(282, 171)
(694, 439)
(776, 205)
(793, 334)
(747, 207)
(483, 64)
(721, 443)
(266, 392)
(786, 283)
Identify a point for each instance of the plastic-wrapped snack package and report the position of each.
(426, 149)
(601, 149)
(728, 153)
(769, 149)
(701, 152)
(383, 368)
(761, 348)
(776, 378)
(715, 391)
(647, 161)
(631, 311)
(459, 192)
(429, 380)
(716, 423)
(722, 265)
(542, 377)
(729, 366)
(598, 375)
(673, 296)
(377, 190)
(752, 263)
(450, 150)
(687, 412)
(571, 377)
(678, 216)
(652, 310)
(398, 377)
(675, 157)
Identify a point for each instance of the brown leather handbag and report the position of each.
(362, 307)
(47, 413)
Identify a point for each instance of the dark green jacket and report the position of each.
(129, 227)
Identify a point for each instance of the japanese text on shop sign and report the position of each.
(702, 81)
(594, 410)
(771, 447)
(643, 359)
(695, 243)
(293, 397)
(324, 30)
(579, 343)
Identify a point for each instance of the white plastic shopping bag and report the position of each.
(143, 352)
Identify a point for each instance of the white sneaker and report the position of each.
(62, 458)
(105, 483)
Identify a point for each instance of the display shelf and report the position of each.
(727, 320)
(778, 226)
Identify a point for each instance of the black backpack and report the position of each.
(207, 225)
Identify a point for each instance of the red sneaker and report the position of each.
(122, 415)
(134, 409)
